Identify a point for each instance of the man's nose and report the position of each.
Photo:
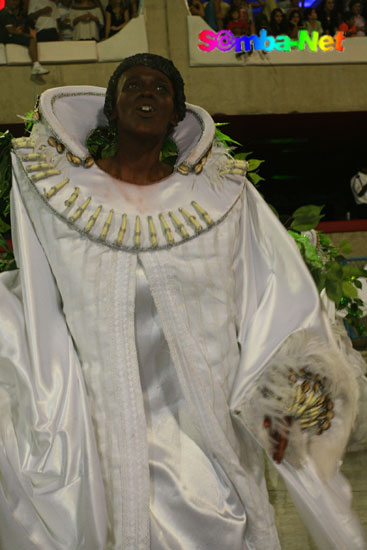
(147, 91)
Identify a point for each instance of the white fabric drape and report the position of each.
(129, 377)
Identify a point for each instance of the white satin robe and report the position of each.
(125, 375)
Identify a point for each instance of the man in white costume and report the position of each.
(158, 317)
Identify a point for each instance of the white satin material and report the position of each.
(118, 427)
(49, 463)
(193, 504)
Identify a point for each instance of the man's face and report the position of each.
(145, 102)
(278, 16)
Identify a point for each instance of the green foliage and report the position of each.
(102, 142)
(7, 261)
(29, 120)
(329, 269)
(223, 138)
(306, 217)
(169, 152)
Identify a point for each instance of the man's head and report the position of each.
(156, 62)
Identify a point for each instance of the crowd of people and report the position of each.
(27, 22)
(288, 17)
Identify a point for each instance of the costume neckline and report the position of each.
(72, 112)
(118, 214)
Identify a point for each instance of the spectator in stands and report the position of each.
(359, 20)
(311, 23)
(295, 23)
(117, 16)
(245, 9)
(13, 30)
(238, 26)
(224, 11)
(196, 7)
(43, 14)
(261, 22)
(348, 26)
(329, 17)
(267, 7)
(288, 5)
(86, 18)
(133, 7)
(213, 15)
(65, 27)
(278, 23)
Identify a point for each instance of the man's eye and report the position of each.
(161, 88)
(131, 85)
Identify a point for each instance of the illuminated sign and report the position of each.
(226, 41)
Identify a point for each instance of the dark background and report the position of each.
(309, 158)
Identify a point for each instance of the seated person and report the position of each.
(86, 18)
(311, 22)
(267, 7)
(117, 16)
(133, 7)
(196, 7)
(261, 22)
(359, 21)
(65, 26)
(348, 26)
(295, 23)
(43, 14)
(288, 5)
(212, 14)
(278, 23)
(329, 17)
(238, 26)
(13, 30)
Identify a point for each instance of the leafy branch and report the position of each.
(7, 261)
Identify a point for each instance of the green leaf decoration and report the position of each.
(319, 278)
(254, 164)
(333, 287)
(242, 156)
(102, 142)
(306, 217)
(225, 139)
(169, 152)
(255, 177)
(352, 271)
(4, 227)
(349, 289)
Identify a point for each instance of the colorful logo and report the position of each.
(226, 41)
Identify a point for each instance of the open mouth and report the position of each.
(146, 109)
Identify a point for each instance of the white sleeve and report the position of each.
(51, 490)
(282, 330)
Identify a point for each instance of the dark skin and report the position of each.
(144, 111)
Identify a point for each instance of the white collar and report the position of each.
(122, 215)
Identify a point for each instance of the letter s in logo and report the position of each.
(210, 37)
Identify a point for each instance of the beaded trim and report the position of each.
(312, 405)
(175, 226)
